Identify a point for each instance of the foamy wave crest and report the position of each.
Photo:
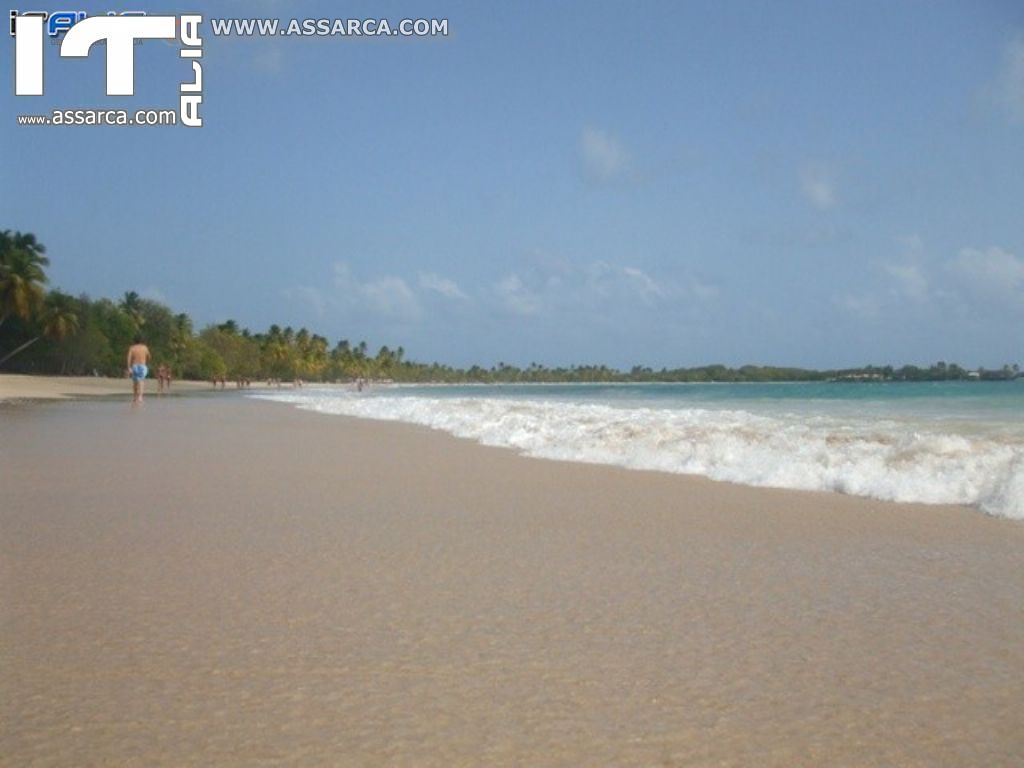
(879, 459)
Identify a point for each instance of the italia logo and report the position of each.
(119, 33)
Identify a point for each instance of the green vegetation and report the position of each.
(53, 332)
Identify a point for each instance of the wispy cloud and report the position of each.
(818, 187)
(909, 276)
(391, 296)
(906, 284)
(910, 280)
(384, 295)
(517, 297)
(444, 286)
(975, 281)
(552, 288)
(602, 156)
(1008, 89)
(648, 289)
(992, 274)
(595, 289)
(863, 306)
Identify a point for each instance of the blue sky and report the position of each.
(817, 184)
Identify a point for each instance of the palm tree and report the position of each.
(58, 320)
(183, 325)
(21, 275)
(27, 241)
(131, 305)
(181, 335)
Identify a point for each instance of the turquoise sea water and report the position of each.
(980, 401)
(932, 442)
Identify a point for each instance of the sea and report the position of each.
(929, 442)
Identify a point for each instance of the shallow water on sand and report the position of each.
(936, 443)
(223, 582)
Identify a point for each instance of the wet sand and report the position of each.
(214, 581)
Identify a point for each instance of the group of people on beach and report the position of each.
(222, 382)
(138, 369)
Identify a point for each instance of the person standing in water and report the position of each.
(138, 362)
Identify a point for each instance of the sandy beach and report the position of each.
(219, 581)
(15, 386)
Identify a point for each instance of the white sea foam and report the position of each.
(883, 459)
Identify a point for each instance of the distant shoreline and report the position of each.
(22, 386)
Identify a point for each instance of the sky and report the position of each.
(630, 183)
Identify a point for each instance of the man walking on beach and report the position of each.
(138, 360)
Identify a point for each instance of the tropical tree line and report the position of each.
(49, 331)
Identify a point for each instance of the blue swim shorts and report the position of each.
(139, 372)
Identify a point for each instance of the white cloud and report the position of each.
(1008, 89)
(442, 285)
(603, 157)
(385, 295)
(583, 289)
(911, 280)
(390, 296)
(864, 306)
(643, 284)
(818, 187)
(975, 281)
(554, 287)
(517, 297)
(994, 273)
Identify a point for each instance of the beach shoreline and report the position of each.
(221, 581)
(17, 386)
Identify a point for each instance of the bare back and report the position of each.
(138, 354)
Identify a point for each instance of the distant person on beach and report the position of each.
(138, 361)
(163, 378)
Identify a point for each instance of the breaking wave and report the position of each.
(887, 459)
